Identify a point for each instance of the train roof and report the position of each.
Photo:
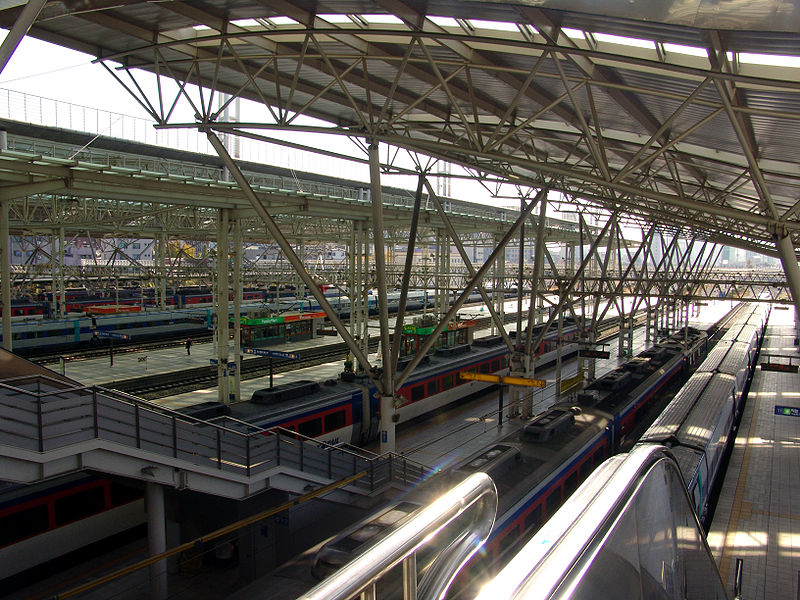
(290, 399)
(715, 357)
(610, 392)
(517, 465)
(736, 358)
(454, 357)
(698, 427)
(665, 428)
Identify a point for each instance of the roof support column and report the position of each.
(407, 267)
(442, 271)
(564, 293)
(236, 253)
(496, 318)
(59, 274)
(5, 274)
(222, 306)
(538, 269)
(500, 282)
(5, 260)
(459, 302)
(792, 270)
(281, 240)
(161, 261)
(387, 435)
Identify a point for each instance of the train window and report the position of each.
(484, 368)
(507, 543)
(447, 381)
(23, 524)
(79, 505)
(335, 420)
(122, 494)
(585, 468)
(433, 387)
(496, 365)
(418, 392)
(504, 361)
(310, 428)
(533, 520)
(553, 501)
(571, 484)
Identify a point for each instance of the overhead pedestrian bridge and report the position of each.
(51, 425)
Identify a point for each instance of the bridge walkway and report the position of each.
(53, 425)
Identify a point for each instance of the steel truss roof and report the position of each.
(545, 95)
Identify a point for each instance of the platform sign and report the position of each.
(271, 353)
(503, 379)
(782, 367)
(787, 411)
(113, 335)
(587, 353)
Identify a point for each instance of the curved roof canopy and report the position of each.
(683, 113)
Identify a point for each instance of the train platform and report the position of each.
(757, 517)
(448, 437)
(130, 364)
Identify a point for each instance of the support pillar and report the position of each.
(442, 268)
(156, 539)
(237, 309)
(161, 261)
(499, 285)
(559, 350)
(351, 281)
(792, 270)
(538, 269)
(387, 380)
(222, 307)
(5, 274)
(62, 294)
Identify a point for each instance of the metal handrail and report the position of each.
(578, 529)
(361, 574)
(168, 434)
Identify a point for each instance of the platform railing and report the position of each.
(41, 414)
(475, 497)
(628, 532)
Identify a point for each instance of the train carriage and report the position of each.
(537, 468)
(701, 421)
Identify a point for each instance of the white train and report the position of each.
(700, 423)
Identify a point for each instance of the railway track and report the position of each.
(161, 385)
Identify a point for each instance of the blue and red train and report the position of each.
(80, 300)
(334, 411)
(537, 469)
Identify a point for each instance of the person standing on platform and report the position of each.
(188, 346)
